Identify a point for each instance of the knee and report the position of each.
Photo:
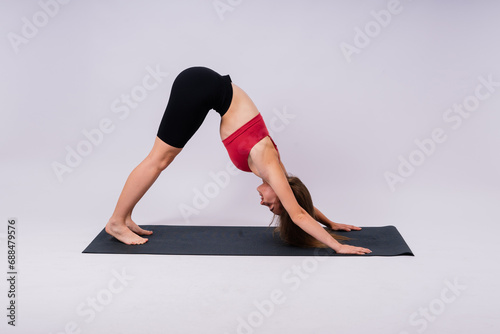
(162, 162)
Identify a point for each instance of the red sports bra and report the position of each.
(241, 141)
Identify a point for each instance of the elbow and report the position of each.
(299, 217)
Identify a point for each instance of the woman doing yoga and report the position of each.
(195, 92)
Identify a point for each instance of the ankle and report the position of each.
(116, 221)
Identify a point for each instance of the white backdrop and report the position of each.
(388, 111)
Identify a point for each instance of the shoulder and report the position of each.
(263, 157)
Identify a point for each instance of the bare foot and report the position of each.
(124, 234)
(136, 229)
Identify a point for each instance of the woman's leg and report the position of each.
(121, 225)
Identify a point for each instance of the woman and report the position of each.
(196, 91)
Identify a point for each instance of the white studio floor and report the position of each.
(450, 286)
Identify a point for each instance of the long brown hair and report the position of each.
(290, 232)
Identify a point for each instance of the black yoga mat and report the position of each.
(244, 240)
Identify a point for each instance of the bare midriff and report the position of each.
(241, 110)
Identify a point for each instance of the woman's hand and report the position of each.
(348, 249)
(344, 227)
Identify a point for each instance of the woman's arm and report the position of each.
(320, 217)
(334, 226)
(269, 169)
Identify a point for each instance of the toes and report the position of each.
(129, 235)
(141, 241)
(140, 231)
(136, 229)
